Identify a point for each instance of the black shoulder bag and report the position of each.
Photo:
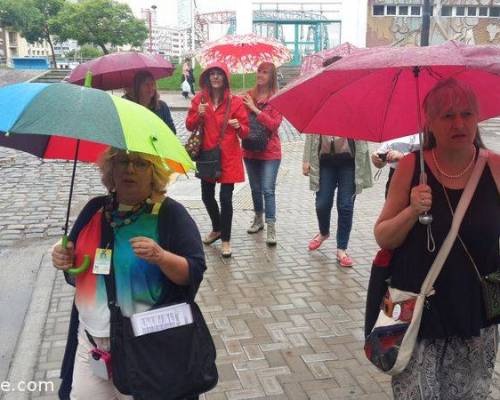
(175, 363)
(209, 163)
(259, 135)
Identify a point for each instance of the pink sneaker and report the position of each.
(316, 241)
(345, 261)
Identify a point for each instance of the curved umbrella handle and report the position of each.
(84, 266)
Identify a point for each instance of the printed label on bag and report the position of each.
(161, 319)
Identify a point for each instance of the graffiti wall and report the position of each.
(469, 21)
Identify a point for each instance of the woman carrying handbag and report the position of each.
(223, 120)
(456, 346)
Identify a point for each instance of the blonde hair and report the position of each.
(447, 93)
(161, 174)
(273, 82)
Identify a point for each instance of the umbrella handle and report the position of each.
(84, 266)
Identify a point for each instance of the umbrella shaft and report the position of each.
(71, 187)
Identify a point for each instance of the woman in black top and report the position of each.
(456, 348)
(144, 92)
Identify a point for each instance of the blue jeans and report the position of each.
(262, 175)
(336, 176)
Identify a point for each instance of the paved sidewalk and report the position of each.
(288, 324)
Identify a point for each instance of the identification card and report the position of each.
(161, 319)
(102, 261)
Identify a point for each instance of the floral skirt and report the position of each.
(449, 369)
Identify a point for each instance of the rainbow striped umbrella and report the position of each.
(48, 120)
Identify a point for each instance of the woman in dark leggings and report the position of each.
(224, 120)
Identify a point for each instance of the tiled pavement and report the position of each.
(286, 323)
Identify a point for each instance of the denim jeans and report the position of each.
(338, 176)
(223, 219)
(262, 175)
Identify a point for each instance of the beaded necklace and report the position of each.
(460, 174)
(117, 218)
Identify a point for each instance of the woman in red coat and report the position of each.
(207, 110)
(263, 159)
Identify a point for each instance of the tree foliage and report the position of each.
(100, 22)
(85, 52)
(31, 18)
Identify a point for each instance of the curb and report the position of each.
(28, 345)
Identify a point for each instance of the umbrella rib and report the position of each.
(386, 112)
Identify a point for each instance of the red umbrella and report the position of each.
(117, 70)
(244, 53)
(377, 94)
(315, 61)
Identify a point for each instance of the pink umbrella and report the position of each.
(244, 53)
(117, 70)
(315, 61)
(376, 94)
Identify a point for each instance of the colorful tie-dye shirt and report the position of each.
(139, 284)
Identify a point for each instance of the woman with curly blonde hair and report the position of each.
(154, 253)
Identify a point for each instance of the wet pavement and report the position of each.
(287, 323)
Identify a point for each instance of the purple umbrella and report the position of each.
(117, 70)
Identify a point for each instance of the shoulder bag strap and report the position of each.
(226, 118)
(463, 204)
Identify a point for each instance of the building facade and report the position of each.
(398, 22)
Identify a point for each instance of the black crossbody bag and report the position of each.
(175, 363)
(209, 162)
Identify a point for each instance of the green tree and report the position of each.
(31, 18)
(86, 51)
(100, 22)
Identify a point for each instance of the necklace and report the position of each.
(460, 174)
(120, 216)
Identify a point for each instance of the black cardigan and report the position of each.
(178, 233)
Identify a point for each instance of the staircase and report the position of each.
(52, 76)
(287, 73)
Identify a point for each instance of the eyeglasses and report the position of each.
(138, 163)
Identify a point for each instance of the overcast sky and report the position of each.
(167, 9)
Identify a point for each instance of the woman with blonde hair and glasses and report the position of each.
(157, 258)
(262, 150)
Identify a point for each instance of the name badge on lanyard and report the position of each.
(102, 261)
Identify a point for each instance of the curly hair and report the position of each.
(162, 175)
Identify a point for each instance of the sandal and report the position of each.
(211, 238)
(226, 250)
(316, 241)
(345, 261)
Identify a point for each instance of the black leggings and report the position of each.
(221, 221)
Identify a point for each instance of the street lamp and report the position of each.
(150, 27)
(426, 23)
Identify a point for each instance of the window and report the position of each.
(415, 11)
(471, 11)
(460, 11)
(483, 11)
(403, 10)
(494, 11)
(391, 10)
(378, 10)
(446, 11)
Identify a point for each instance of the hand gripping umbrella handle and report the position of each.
(84, 266)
